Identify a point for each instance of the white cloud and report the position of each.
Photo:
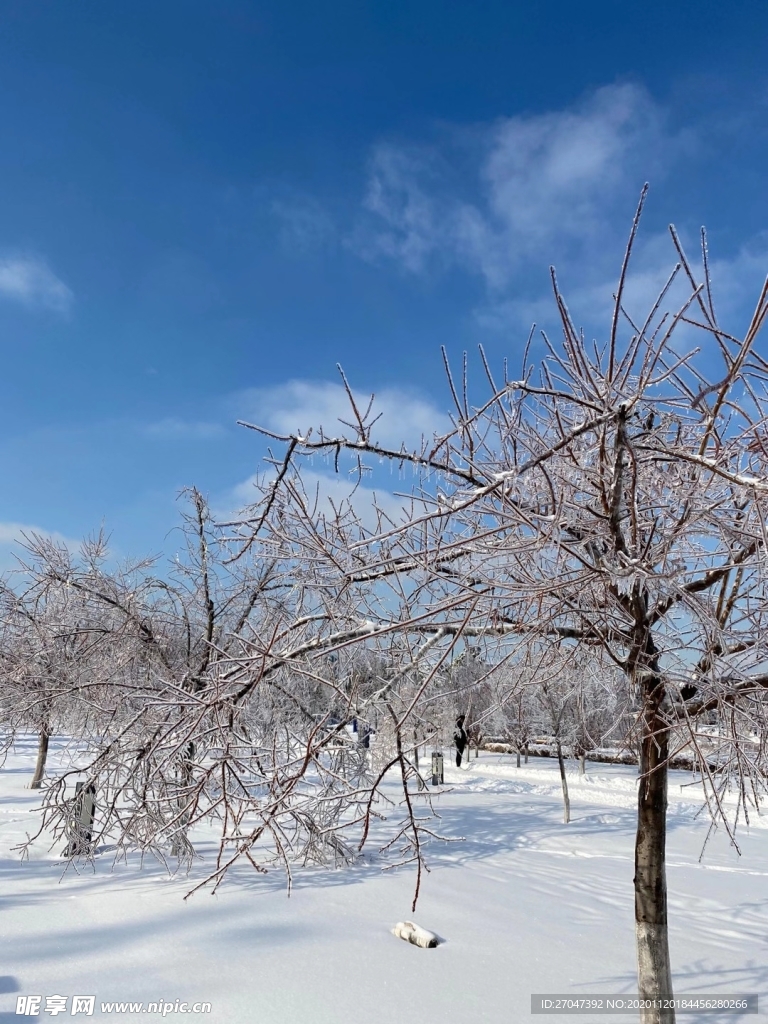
(330, 490)
(173, 429)
(736, 283)
(506, 200)
(408, 226)
(32, 282)
(297, 405)
(590, 296)
(300, 404)
(542, 185)
(551, 179)
(12, 534)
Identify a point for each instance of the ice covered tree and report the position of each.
(48, 650)
(613, 501)
(241, 688)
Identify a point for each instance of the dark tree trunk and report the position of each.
(654, 974)
(180, 845)
(564, 782)
(42, 756)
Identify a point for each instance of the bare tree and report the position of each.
(557, 695)
(513, 714)
(47, 649)
(227, 691)
(609, 510)
(615, 502)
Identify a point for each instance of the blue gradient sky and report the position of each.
(206, 206)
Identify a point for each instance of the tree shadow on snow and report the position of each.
(10, 984)
(700, 978)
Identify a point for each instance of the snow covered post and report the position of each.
(80, 824)
(438, 776)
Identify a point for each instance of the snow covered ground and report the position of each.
(525, 904)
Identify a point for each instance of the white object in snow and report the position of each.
(411, 932)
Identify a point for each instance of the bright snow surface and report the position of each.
(524, 903)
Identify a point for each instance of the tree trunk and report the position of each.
(564, 781)
(654, 973)
(42, 756)
(518, 757)
(180, 844)
(526, 752)
(582, 763)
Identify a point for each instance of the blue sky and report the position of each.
(206, 206)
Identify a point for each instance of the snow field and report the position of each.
(525, 904)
